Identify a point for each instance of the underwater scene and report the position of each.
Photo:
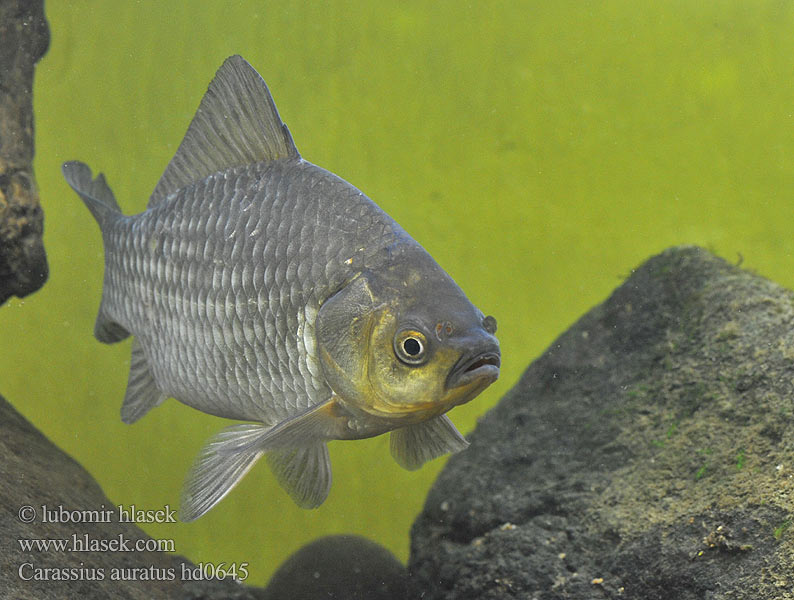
(539, 152)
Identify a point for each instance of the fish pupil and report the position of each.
(412, 346)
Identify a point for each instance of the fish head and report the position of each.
(407, 351)
(430, 356)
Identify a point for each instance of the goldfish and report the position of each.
(262, 288)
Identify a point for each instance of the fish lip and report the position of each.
(479, 365)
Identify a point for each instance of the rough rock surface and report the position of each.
(649, 453)
(35, 473)
(24, 37)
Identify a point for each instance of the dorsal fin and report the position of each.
(236, 124)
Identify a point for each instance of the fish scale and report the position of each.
(260, 287)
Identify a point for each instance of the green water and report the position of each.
(539, 150)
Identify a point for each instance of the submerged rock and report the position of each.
(649, 453)
(344, 567)
(33, 474)
(24, 37)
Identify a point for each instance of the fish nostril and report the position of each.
(489, 324)
(444, 329)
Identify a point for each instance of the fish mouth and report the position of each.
(482, 367)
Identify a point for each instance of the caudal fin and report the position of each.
(100, 201)
(95, 192)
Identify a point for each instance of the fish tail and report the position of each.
(95, 192)
(102, 203)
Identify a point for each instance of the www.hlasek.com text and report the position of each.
(87, 543)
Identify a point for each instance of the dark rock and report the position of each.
(346, 567)
(24, 37)
(649, 453)
(34, 473)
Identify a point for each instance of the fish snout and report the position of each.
(479, 362)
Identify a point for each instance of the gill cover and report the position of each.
(344, 325)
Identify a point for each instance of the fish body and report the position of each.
(225, 277)
(263, 288)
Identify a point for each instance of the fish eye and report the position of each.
(489, 323)
(410, 346)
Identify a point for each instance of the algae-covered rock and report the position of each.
(649, 453)
(102, 558)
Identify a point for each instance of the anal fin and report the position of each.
(142, 392)
(414, 445)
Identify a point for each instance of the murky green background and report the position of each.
(539, 150)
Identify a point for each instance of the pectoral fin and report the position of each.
(218, 469)
(296, 452)
(414, 445)
(321, 422)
